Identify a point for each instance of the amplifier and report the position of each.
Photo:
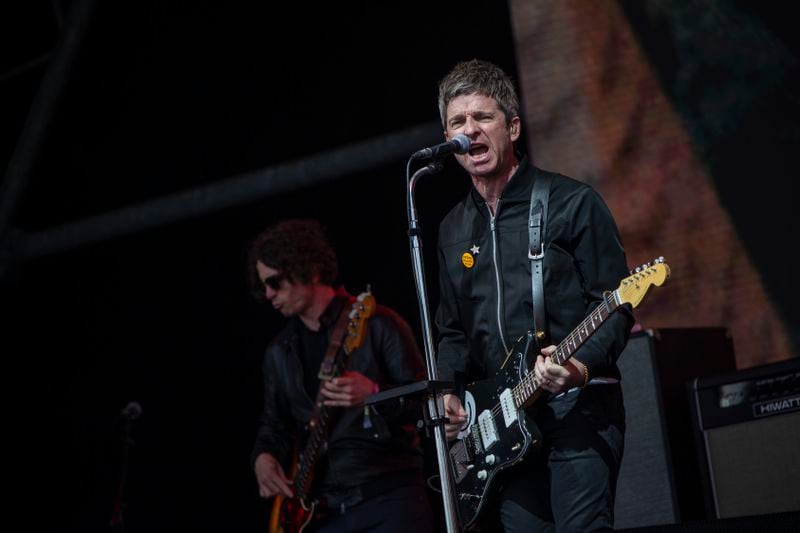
(659, 480)
(747, 426)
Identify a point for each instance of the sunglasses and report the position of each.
(274, 282)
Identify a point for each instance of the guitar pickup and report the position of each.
(509, 407)
(487, 428)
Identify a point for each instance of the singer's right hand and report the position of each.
(456, 413)
(271, 479)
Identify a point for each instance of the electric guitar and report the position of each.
(497, 434)
(293, 515)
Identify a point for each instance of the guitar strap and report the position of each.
(328, 367)
(537, 219)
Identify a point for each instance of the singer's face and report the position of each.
(491, 152)
(287, 297)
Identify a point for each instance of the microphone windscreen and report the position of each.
(463, 143)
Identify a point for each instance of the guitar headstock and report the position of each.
(363, 308)
(633, 288)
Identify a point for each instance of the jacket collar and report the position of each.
(327, 319)
(331, 313)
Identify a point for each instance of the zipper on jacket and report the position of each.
(492, 217)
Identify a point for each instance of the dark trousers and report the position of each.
(569, 484)
(398, 510)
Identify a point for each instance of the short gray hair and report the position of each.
(481, 77)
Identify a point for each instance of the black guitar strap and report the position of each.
(537, 219)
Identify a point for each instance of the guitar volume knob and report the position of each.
(490, 459)
(482, 475)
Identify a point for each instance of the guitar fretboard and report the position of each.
(318, 431)
(528, 385)
(320, 417)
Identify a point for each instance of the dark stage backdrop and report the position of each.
(167, 96)
(683, 114)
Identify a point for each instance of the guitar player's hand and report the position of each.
(348, 390)
(557, 378)
(271, 479)
(456, 413)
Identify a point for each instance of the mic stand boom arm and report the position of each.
(435, 413)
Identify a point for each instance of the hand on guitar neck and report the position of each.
(348, 390)
(555, 378)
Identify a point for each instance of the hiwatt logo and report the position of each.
(773, 407)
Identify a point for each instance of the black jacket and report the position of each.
(356, 454)
(484, 309)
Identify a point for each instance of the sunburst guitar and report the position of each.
(294, 515)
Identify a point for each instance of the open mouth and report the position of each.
(478, 150)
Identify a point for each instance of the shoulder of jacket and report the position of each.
(283, 340)
(386, 317)
(561, 181)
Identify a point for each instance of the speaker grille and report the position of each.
(659, 481)
(754, 466)
(645, 489)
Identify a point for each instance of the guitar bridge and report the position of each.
(462, 462)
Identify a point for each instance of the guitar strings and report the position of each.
(530, 381)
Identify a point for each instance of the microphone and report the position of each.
(458, 145)
(132, 411)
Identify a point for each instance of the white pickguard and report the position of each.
(469, 407)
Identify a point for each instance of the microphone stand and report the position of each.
(435, 415)
(130, 413)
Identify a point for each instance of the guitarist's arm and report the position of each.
(452, 339)
(399, 363)
(275, 434)
(600, 260)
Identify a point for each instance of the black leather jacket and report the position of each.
(484, 309)
(356, 454)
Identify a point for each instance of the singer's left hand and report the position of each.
(557, 378)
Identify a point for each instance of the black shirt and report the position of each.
(314, 344)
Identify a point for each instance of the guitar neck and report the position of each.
(317, 437)
(318, 424)
(529, 385)
(348, 334)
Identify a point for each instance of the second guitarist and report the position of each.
(369, 475)
(488, 268)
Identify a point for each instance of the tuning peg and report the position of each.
(638, 269)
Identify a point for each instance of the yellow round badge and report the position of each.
(467, 260)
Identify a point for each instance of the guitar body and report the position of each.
(497, 434)
(491, 442)
(290, 515)
(294, 515)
